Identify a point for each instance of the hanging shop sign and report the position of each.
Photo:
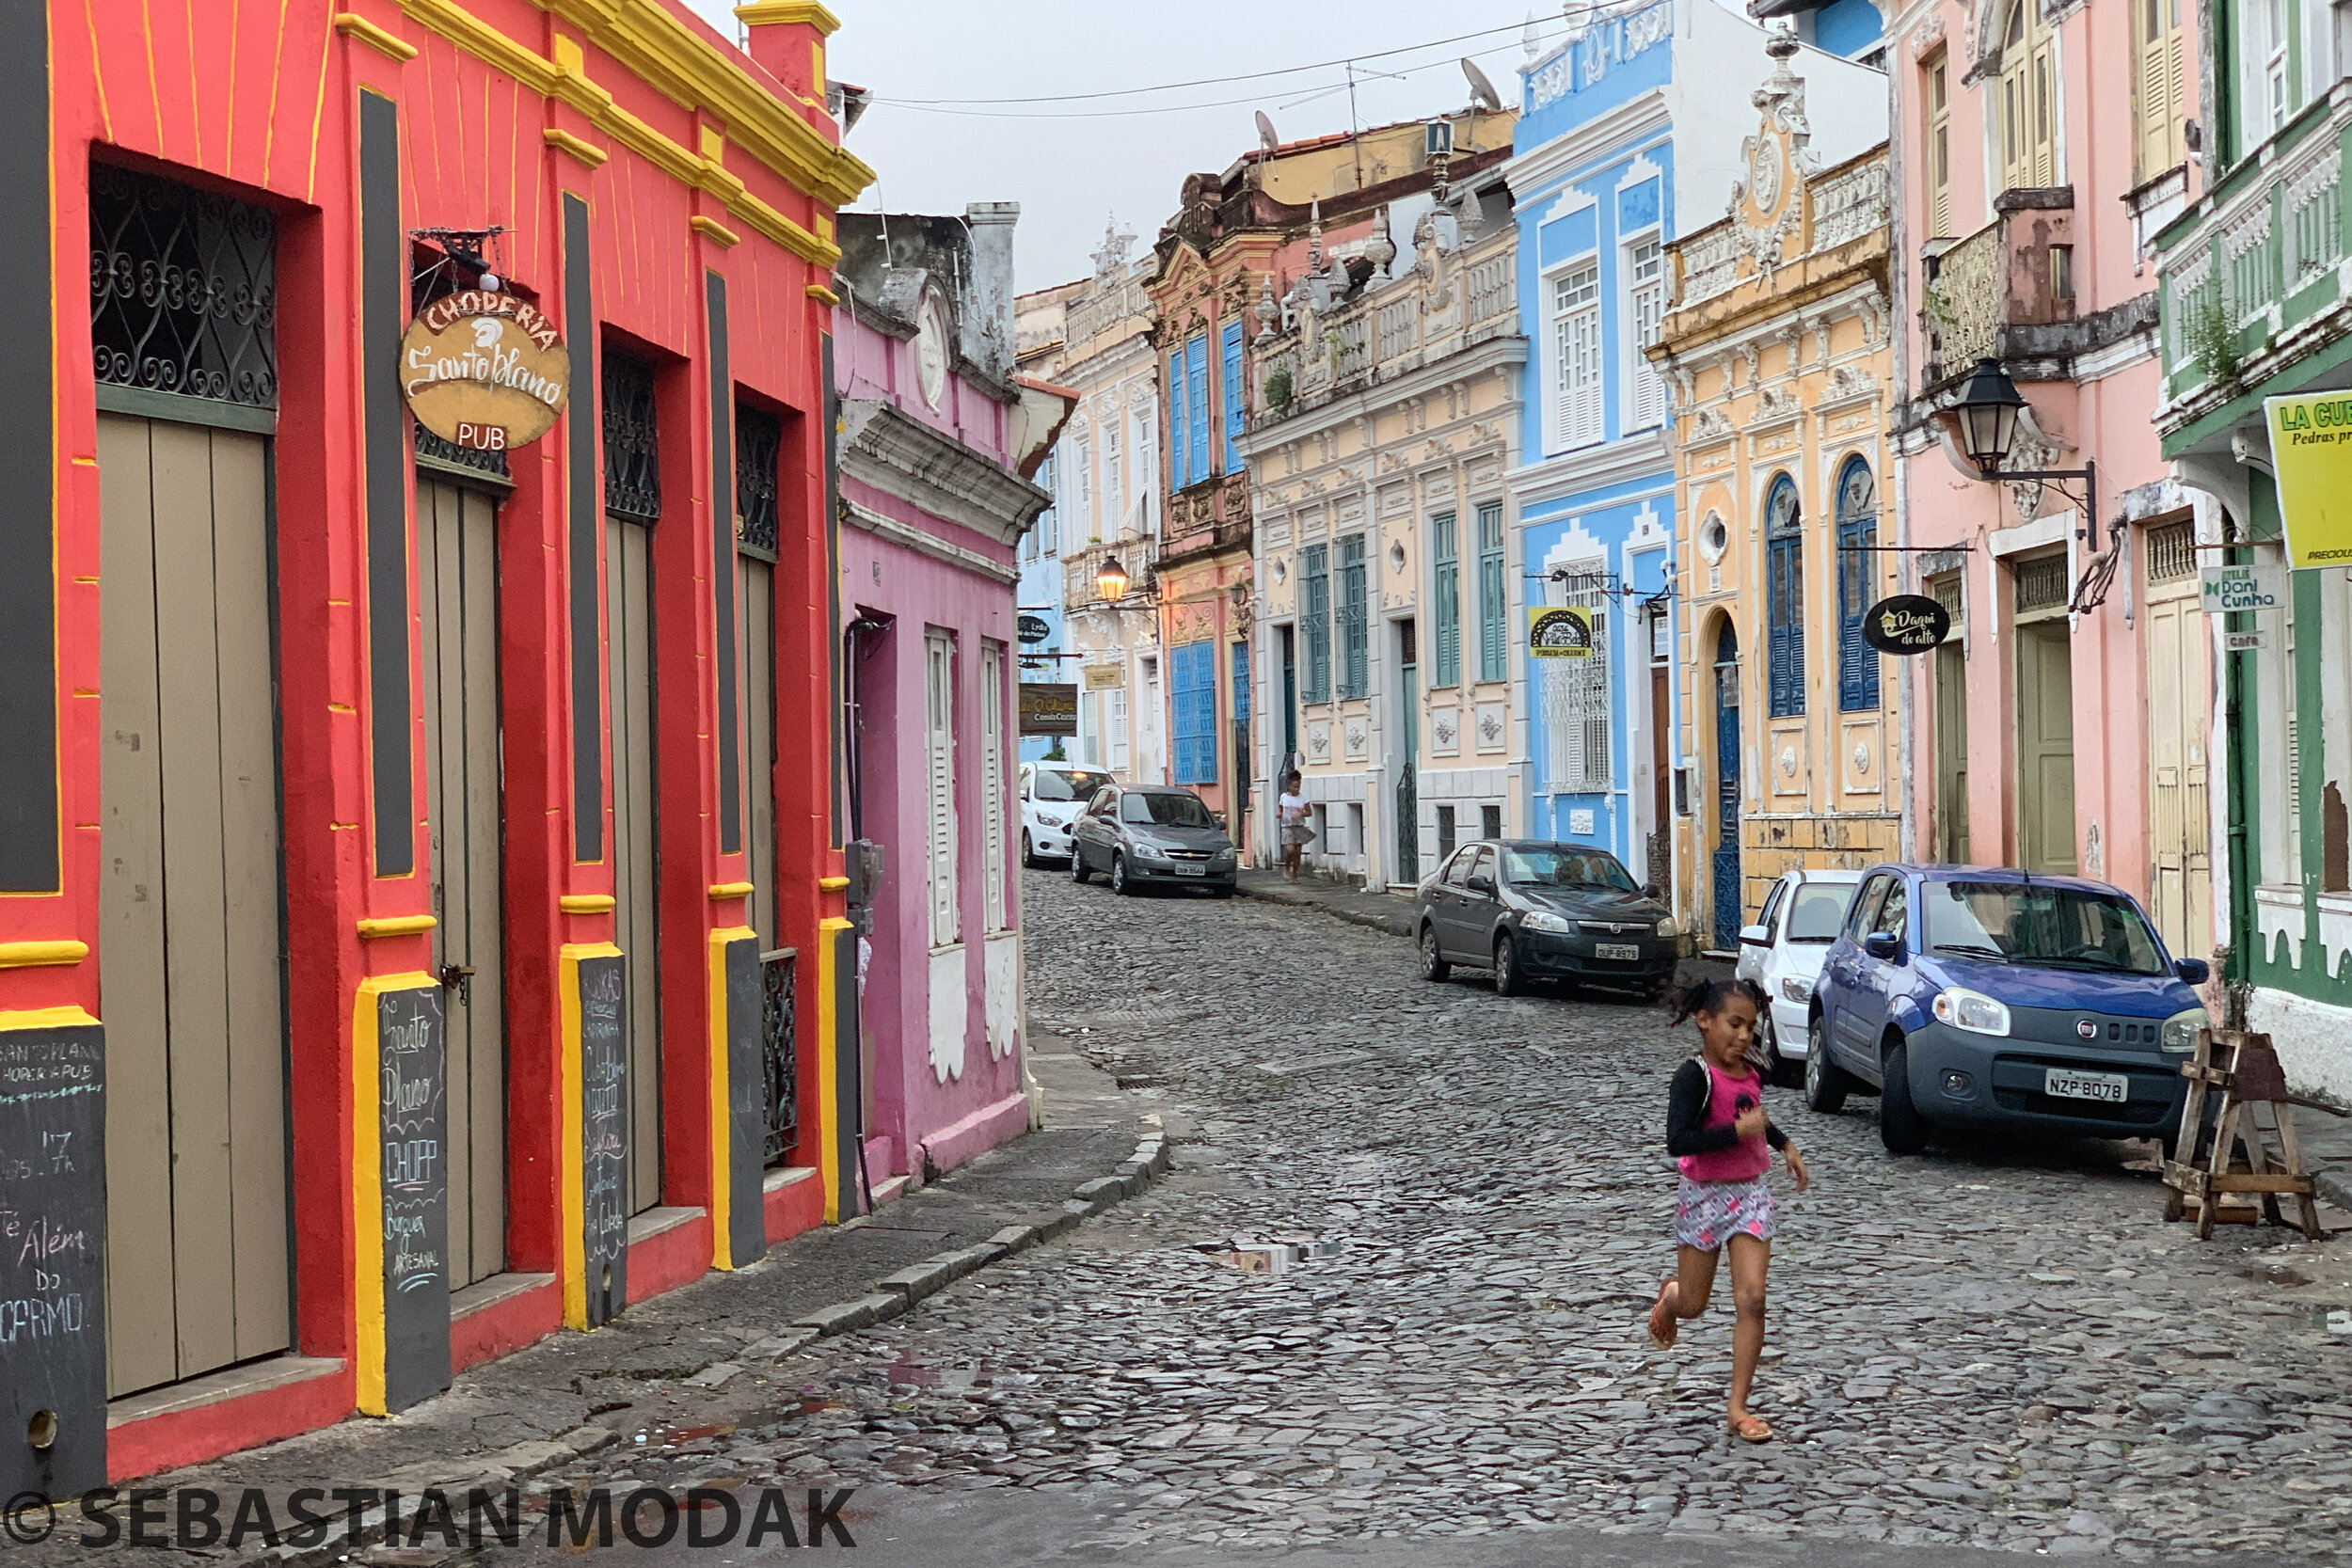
(2229, 589)
(1906, 624)
(1034, 629)
(1560, 631)
(484, 371)
(2311, 452)
(2253, 642)
(1048, 708)
(1106, 678)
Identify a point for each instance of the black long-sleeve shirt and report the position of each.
(1686, 1114)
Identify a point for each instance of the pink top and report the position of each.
(1745, 1160)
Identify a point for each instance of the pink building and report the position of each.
(2063, 727)
(935, 443)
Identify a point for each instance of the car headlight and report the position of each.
(2179, 1034)
(1150, 852)
(1667, 927)
(1797, 989)
(1539, 920)
(1971, 1011)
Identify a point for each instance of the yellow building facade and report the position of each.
(1777, 352)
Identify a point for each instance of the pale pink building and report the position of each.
(936, 444)
(2063, 726)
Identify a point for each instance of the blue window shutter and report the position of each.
(1197, 400)
(1783, 600)
(1857, 533)
(1177, 479)
(1193, 691)
(1241, 683)
(1233, 398)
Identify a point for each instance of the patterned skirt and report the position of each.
(1709, 1213)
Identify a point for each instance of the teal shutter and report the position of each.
(1354, 662)
(1493, 598)
(1233, 398)
(1315, 576)
(1192, 693)
(1446, 594)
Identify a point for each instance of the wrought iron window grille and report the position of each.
(183, 290)
(779, 1049)
(632, 462)
(758, 440)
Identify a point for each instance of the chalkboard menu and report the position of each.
(604, 1136)
(412, 1068)
(747, 1093)
(52, 1260)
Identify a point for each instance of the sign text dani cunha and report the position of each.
(484, 371)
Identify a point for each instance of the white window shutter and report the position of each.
(992, 778)
(939, 746)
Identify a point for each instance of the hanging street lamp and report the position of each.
(1110, 581)
(1983, 425)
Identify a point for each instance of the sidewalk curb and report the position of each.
(1398, 924)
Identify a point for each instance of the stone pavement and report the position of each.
(1392, 912)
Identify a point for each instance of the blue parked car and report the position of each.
(1970, 995)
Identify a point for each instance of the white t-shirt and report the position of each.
(1294, 808)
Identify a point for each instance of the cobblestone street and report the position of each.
(2004, 1347)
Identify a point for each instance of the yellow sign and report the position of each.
(1560, 631)
(484, 370)
(1106, 678)
(2311, 451)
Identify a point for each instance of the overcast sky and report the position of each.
(1070, 175)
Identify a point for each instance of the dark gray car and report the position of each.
(1530, 910)
(1142, 835)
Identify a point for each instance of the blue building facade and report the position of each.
(1593, 179)
(1040, 595)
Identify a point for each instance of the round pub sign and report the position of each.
(1906, 624)
(484, 371)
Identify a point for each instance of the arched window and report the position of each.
(1784, 599)
(1857, 570)
(2028, 101)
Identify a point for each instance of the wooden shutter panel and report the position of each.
(1178, 475)
(1232, 346)
(939, 749)
(992, 779)
(1197, 394)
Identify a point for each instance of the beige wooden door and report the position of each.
(190, 980)
(2179, 831)
(2046, 747)
(457, 570)
(756, 659)
(628, 670)
(1951, 753)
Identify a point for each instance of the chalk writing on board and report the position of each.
(604, 1118)
(413, 1113)
(53, 1256)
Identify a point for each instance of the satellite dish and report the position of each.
(1267, 140)
(1482, 94)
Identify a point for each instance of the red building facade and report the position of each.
(423, 922)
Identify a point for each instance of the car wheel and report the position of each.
(1223, 889)
(1120, 884)
(1077, 864)
(1433, 964)
(1901, 1128)
(1028, 850)
(1510, 980)
(1779, 1068)
(1825, 1083)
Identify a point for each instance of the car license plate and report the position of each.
(2066, 1083)
(1625, 950)
(1194, 870)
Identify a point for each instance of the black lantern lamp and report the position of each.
(1986, 416)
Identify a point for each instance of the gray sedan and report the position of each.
(1142, 835)
(1534, 910)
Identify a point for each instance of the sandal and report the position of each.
(1662, 1329)
(1751, 1428)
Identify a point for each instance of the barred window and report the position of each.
(1576, 693)
(2171, 551)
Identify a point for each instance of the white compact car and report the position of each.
(1783, 953)
(1052, 796)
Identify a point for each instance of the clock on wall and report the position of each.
(931, 351)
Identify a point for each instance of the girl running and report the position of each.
(1718, 1133)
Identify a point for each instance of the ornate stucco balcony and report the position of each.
(1994, 294)
(2255, 276)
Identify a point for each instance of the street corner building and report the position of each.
(350, 1036)
(936, 443)
(1777, 355)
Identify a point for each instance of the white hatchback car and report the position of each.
(1052, 796)
(1783, 953)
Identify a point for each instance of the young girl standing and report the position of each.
(1717, 1130)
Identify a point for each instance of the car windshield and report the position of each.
(1075, 784)
(1817, 910)
(1168, 810)
(1562, 865)
(2049, 928)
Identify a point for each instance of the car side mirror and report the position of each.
(2195, 971)
(1884, 945)
(1754, 936)
(1482, 884)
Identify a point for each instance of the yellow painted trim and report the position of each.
(828, 1066)
(46, 1018)
(367, 1183)
(712, 143)
(572, 1202)
(761, 13)
(586, 152)
(361, 31)
(823, 295)
(585, 903)
(713, 229)
(732, 890)
(650, 43)
(35, 955)
(832, 884)
(372, 927)
(722, 1125)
